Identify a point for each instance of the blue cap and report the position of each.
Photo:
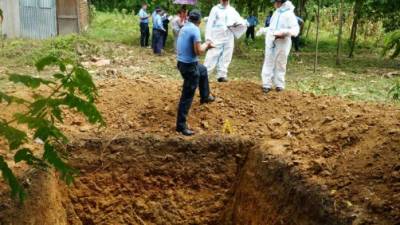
(195, 15)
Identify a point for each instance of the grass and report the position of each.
(360, 78)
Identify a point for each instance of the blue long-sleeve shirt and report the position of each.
(157, 23)
(144, 17)
(252, 20)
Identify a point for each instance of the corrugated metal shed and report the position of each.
(10, 25)
(40, 19)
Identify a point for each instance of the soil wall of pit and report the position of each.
(271, 191)
(156, 181)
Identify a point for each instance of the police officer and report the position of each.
(194, 74)
(144, 26)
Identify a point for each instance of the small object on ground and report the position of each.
(227, 127)
(266, 90)
(207, 100)
(102, 62)
(279, 89)
(222, 79)
(186, 132)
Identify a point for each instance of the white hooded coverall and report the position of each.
(283, 22)
(218, 31)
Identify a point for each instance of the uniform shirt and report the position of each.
(153, 17)
(188, 36)
(157, 23)
(143, 14)
(252, 20)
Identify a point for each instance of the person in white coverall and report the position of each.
(221, 20)
(283, 26)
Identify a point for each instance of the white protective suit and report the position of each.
(223, 25)
(283, 22)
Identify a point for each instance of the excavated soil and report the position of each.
(315, 160)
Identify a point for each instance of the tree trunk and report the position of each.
(353, 36)
(317, 37)
(339, 40)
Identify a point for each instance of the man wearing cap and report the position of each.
(283, 26)
(153, 18)
(194, 74)
(158, 32)
(144, 26)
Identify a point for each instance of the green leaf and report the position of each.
(85, 107)
(44, 128)
(16, 188)
(83, 81)
(14, 136)
(38, 106)
(51, 156)
(11, 99)
(59, 76)
(26, 155)
(57, 113)
(48, 61)
(29, 81)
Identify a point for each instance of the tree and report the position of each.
(317, 36)
(339, 40)
(71, 89)
(357, 10)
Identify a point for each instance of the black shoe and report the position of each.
(186, 132)
(222, 79)
(209, 99)
(279, 89)
(266, 90)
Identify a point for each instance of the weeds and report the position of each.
(394, 92)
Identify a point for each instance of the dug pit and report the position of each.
(148, 180)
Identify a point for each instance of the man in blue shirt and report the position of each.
(153, 18)
(158, 32)
(194, 74)
(253, 21)
(144, 26)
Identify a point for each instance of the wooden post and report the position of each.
(317, 37)
(339, 41)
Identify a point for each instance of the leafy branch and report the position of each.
(72, 88)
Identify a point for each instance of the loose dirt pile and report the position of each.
(340, 159)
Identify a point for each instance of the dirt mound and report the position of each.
(342, 157)
(349, 149)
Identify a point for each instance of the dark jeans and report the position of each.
(165, 37)
(250, 32)
(158, 41)
(296, 43)
(144, 34)
(152, 38)
(194, 75)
